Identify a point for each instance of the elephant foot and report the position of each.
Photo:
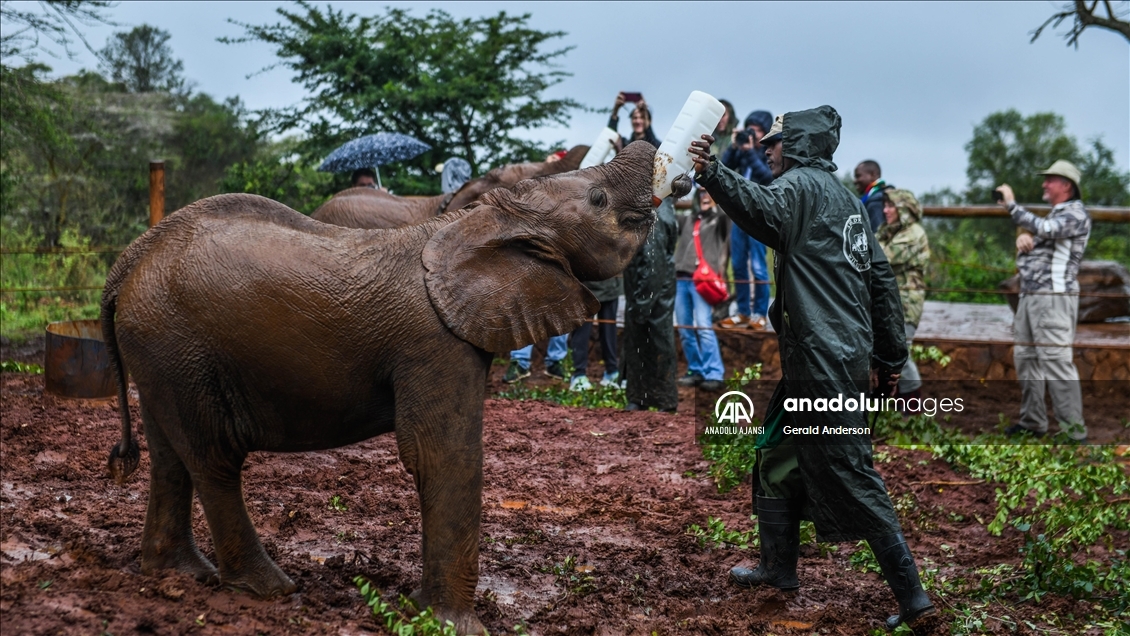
(187, 560)
(267, 581)
(465, 621)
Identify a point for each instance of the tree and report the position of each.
(462, 86)
(1009, 148)
(56, 23)
(1084, 15)
(142, 61)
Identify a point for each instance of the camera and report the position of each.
(743, 137)
(997, 196)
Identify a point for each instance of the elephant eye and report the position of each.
(598, 198)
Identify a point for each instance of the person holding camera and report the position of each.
(640, 120)
(747, 254)
(838, 319)
(1048, 257)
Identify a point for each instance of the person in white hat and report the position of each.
(1048, 256)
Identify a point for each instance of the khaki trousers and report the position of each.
(1044, 329)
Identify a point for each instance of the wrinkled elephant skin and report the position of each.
(248, 326)
(375, 209)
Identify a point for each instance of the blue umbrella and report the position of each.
(373, 151)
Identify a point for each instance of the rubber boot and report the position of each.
(778, 524)
(901, 573)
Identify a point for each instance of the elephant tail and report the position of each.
(126, 454)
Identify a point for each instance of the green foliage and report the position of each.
(929, 354)
(15, 366)
(278, 172)
(142, 61)
(462, 86)
(573, 580)
(715, 535)
(1008, 147)
(599, 397)
(863, 559)
(395, 620)
(337, 502)
(76, 153)
(27, 313)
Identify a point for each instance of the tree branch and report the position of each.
(1083, 14)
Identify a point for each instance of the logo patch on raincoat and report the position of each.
(856, 246)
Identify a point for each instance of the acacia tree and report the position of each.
(1086, 14)
(463, 86)
(142, 61)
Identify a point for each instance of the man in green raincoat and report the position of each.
(838, 318)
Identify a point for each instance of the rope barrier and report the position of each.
(768, 333)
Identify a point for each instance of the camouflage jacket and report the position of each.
(908, 249)
(1060, 238)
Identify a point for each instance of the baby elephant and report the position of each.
(248, 326)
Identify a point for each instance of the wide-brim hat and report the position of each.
(775, 133)
(1065, 169)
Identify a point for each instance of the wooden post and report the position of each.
(156, 192)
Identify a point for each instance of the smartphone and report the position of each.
(997, 196)
(632, 97)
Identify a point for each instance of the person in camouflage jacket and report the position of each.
(1049, 251)
(904, 241)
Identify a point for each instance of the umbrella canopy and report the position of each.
(373, 150)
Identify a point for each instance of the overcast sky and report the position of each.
(909, 79)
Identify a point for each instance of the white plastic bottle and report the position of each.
(700, 116)
(601, 149)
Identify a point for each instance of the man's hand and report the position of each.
(884, 382)
(1007, 197)
(1024, 243)
(700, 153)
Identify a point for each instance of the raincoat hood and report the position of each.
(810, 137)
(910, 212)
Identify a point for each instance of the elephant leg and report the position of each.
(243, 562)
(443, 451)
(167, 542)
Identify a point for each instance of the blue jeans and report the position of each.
(555, 352)
(745, 249)
(700, 346)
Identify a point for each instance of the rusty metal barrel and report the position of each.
(77, 363)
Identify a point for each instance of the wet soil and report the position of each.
(614, 491)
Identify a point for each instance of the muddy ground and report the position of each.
(615, 491)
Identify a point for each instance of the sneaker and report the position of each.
(611, 379)
(580, 383)
(712, 385)
(1017, 430)
(690, 379)
(740, 321)
(555, 369)
(515, 372)
(758, 322)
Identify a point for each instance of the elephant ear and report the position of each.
(499, 286)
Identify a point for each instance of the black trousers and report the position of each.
(607, 332)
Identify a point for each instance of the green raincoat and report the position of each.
(649, 316)
(837, 315)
